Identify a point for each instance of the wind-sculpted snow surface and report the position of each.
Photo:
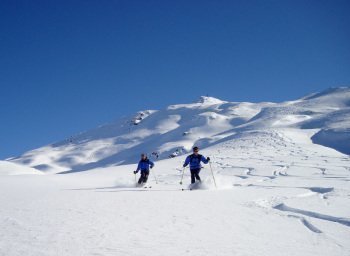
(273, 186)
(338, 139)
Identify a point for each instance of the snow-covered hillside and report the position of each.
(174, 131)
(281, 171)
(8, 168)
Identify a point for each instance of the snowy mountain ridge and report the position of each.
(175, 130)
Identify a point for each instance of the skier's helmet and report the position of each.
(195, 149)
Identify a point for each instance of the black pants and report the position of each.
(195, 175)
(144, 177)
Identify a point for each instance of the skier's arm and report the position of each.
(151, 164)
(205, 160)
(138, 167)
(187, 161)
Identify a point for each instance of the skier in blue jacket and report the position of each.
(195, 160)
(144, 165)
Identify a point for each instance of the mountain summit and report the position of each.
(209, 100)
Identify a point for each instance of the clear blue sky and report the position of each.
(68, 66)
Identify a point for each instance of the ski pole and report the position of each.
(212, 173)
(135, 177)
(155, 176)
(182, 176)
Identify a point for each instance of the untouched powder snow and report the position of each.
(281, 188)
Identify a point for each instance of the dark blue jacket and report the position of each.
(144, 165)
(195, 161)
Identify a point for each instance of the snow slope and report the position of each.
(278, 192)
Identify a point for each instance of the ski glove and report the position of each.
(208, 159)
(135, 172)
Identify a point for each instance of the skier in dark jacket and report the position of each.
(195, 164)
(144, 165)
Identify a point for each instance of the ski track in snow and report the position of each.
(343, 221)
(306, 223)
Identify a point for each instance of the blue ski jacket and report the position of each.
(144, 165)
(195, 161)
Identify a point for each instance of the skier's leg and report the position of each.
(145, 177)
(141, 178)
(197, 175)
(193, 175)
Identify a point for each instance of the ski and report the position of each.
(143, 186)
